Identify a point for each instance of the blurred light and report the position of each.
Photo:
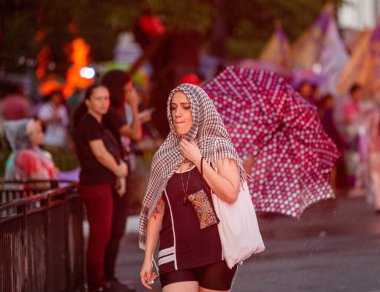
(21, 60)
(31, 62)
(87, 72)
(317, 68)
(51, 66)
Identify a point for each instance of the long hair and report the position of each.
(115, 81)
(81, 109)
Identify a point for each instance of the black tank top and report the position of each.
(182, 243)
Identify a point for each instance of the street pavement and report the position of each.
(334, 246)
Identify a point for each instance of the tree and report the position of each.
(29, 25)
(248, 24)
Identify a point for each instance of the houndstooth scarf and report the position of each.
(208, 132)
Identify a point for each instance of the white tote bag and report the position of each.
(238, 228)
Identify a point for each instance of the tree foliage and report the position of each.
(59, 22)
(248, 23)
(185, 15)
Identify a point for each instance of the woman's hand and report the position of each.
(122, 170)
(121, 187)
(132, 97)
(190, 151)
(145, 115)
(249, 163)
(146, 275)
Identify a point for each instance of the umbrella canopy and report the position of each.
(264, 65)
(266, 118)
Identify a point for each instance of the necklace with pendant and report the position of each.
(183, 187)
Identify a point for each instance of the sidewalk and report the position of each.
(334, 247)
(131, 228)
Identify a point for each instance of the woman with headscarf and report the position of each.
(27, 160)
(196, 156)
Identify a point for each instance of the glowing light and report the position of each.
(50, 84)
(87, 72)
(317, 68)
(78, 53)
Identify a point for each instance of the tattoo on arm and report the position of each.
(158, 208)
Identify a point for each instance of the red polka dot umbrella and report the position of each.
(269, 120)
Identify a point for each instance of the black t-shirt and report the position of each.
(92, 171)
(114, 121)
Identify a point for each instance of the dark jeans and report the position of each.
(119, 221)
(98, 202)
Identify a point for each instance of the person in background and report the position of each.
(307, 91)
(102, 175)
(190, 251)
(124, 129)
(326, 114)
(14, 105)
(27, 160)
(373, 194)
(55, 119)
(123, 95)
(355, 131)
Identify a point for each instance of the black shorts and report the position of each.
(215, 276)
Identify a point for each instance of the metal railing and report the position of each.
(41, 238)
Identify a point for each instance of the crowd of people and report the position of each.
(354, 127)
(101, 129)
(101, 134)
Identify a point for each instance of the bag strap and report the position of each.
(216, 169)
(202, 166)
(154, 265)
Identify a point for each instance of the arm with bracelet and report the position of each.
(224, 180)
(147, 276)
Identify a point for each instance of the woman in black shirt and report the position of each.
(102, 170)
(122, 91)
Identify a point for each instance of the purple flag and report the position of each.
(277, 50)
(307, 49)
(333, 59)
